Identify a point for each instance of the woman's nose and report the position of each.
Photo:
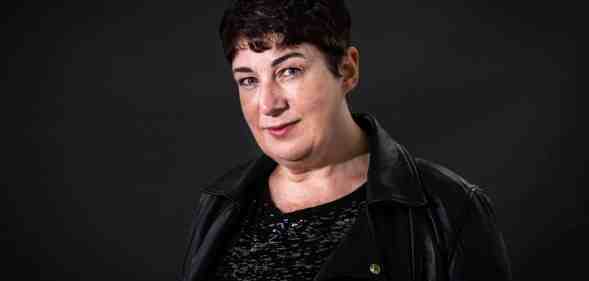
(272, 101)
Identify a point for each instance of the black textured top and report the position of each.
(271, 245)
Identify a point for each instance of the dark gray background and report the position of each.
(129, 108)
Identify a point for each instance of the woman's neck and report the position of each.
(331, 174)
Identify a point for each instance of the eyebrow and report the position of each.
(274, 62)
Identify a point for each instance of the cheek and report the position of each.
(312, 96)
(318, 96)
(248, 109)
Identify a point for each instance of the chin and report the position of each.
(288, 152)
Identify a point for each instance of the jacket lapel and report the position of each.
(353, 256)
(209, 242)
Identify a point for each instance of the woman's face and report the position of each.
(291, 101)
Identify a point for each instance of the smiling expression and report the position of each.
(289, 98)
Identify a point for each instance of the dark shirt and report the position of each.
(271, 245)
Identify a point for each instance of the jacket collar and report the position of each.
(392, 175)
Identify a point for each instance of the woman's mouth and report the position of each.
(281, 130)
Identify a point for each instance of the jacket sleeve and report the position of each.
(479, 252)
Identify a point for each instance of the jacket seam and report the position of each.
(412, 239)
(458, 234)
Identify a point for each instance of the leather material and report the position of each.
(422, 221)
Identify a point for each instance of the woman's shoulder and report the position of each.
(452, 192)
(436, 176)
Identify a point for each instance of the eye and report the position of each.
(290, 72)
(247, 82)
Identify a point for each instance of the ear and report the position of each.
(350, 69)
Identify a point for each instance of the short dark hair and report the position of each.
(324, 23)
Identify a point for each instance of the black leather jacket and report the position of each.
(422, 221)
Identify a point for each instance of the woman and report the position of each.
(333, 197)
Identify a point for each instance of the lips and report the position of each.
(278, 127)
(281, 130)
